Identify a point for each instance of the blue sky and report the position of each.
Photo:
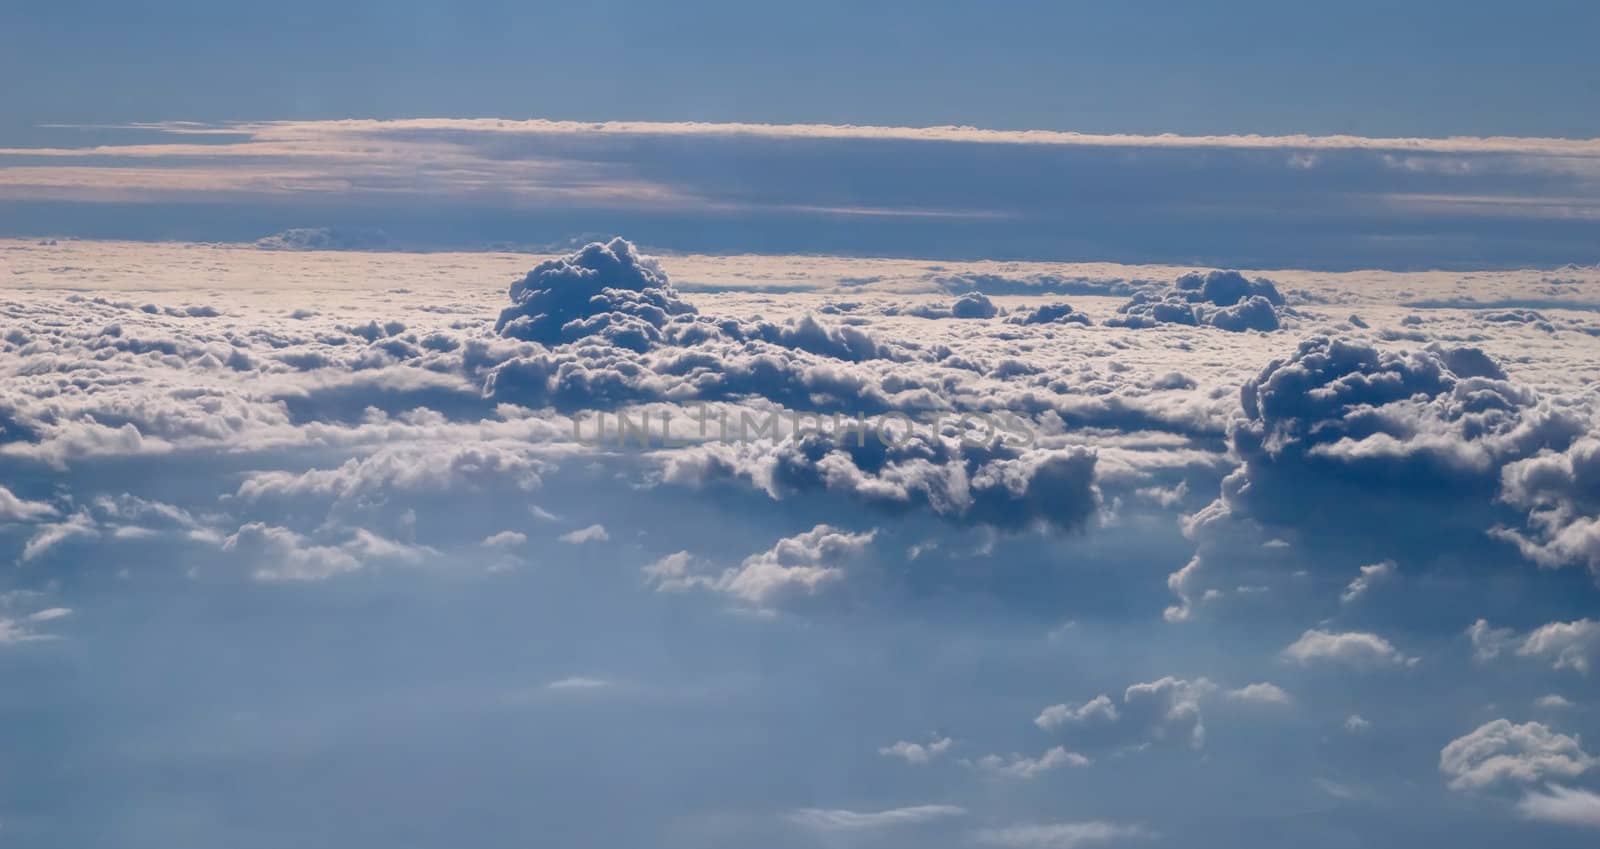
(1225, 470)
(1426, 68)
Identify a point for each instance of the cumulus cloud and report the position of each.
(1048, 314)
(1501, 752)
(1352, 648)
(917, 753)
(1565, 645)
(592, 533)
(1099, 708)
(1560, 491)
(607, 290)
(796, 567)
(1222, 299)
(1342, 431)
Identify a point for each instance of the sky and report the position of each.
(711, 425)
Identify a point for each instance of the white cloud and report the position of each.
(578, 683)
(838, 819)
(1263, 693)
(1563, 805)
(1354, 648)
(14, 509)
(1501, 752)
(1568, 645)
(1098, 708)
(1355, 723)
(1371, 574)
(593, 533)
(1067, 835)
(505, 539)
(916, 753)
(1024, 767)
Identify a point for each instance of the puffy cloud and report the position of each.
(280, 554)
(1343, 431)
(1048, 314)
(607, 290)
(1501, 752)
(1561, 493)
(916, 753)
(505, 539)
(592, 533)
(993, 483)
(1099, 708)
(1221, 299)
(794, 568)
(1355, 723)
(1169, 709)
(970, 305)
(1353, 648)
(1563, 805)
(838, 819)
(1566, 645)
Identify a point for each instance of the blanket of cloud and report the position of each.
(1335, 202)
(333, 548)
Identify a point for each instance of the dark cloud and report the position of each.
(607, 290)
(1221, 299)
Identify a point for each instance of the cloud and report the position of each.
(1098, 708)
(1562, 805)
(1355, 723)
(838, 819)
(1352, 648)
(1263, 693)
(916, 753)
(1048, 314)
(1222, 299)
(795, 568)
(52, 534)
(578, 683)
(325, 239)
(1342, 431)
(1500, 752)
(277, 553)
(505, 539)
(1371, 574)
(14, 509)
(1025, 767)
(1567, 645)
(592, 533)
(603, 290)
(1066, 835)
(1560, 491)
